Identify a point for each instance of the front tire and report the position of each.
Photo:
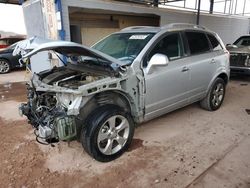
(215, 95)
(107, 133)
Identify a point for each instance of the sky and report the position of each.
(11, 18)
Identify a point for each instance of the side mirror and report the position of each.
(231, 46)
(156, 60)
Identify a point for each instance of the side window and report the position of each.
(197, 42)
(244, 41)
(214, 42)
(169, 46)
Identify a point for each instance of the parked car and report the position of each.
(8, 41)
(127, 78)
(240, 55)
(8, 61)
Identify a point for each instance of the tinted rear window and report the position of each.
(197, 42)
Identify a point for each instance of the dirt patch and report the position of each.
(22, 162)
(136, 143)
(15, 76)
(9, 111)
(244, 84)
(131, 171)
(11, 95)
(248, 111)
(26, 163)
(13, 91)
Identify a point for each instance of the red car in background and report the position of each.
(7, 41)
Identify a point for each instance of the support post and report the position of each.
(225, 6)
(211, 7)
(198, 13)
(244, 6)
(156, 3)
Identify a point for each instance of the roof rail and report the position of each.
(137, 27)
(183, 25)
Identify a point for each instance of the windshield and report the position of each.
(243, 41)
(124, 46)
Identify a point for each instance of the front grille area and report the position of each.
(240, 60)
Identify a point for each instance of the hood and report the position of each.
(24, 46)
(90, 58)
(70, 48)
(243, 49)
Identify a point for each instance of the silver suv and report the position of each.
(127, 78)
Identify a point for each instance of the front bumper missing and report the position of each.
(62, 126)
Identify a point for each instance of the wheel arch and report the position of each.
(115, 97)
(223, 75)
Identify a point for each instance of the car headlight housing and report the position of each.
(247, 61)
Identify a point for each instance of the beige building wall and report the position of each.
(94, 27)
(92, 35)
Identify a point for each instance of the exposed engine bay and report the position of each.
(68, 78)
(49, 115)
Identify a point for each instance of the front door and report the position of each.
(167, 86)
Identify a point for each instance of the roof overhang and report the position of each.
(14, 2)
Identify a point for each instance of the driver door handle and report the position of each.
(213, 61)
(185, 69)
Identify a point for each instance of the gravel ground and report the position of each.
(189, 147)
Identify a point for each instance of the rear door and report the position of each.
(202, 63)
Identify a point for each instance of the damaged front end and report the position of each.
(48, 117)
(56, 96)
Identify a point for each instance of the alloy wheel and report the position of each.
(113, 135)
(4, 66)
(218, 94)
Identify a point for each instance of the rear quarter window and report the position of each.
(214, 42)
(198, 42)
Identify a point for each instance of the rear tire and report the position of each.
(215, 96)
(4, 66)
(107, 133)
